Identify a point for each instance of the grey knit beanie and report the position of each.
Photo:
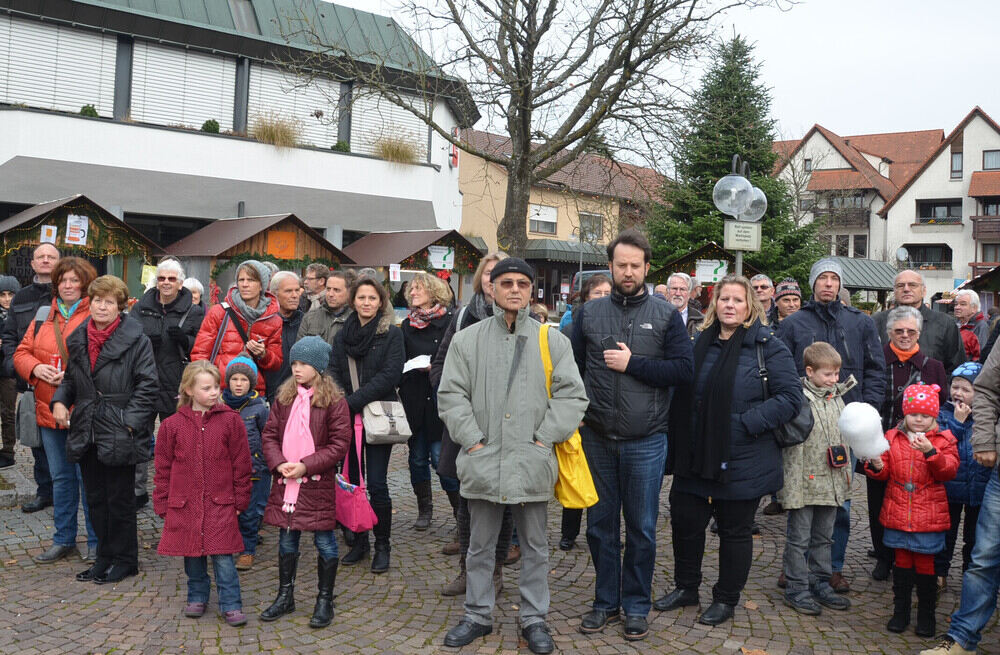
(9, 283)
(263, 271)
(825, 265)
(313, 350)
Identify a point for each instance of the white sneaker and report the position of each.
(948, 646)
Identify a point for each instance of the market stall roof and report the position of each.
(867, 274)
(686, 263)
(41, 210)
(216, 238)
(384, 248)
(556, 250)
(985, 280)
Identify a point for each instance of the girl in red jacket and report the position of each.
(304, 439)
(921, 457)
(202, 484)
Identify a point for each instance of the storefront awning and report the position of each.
(555, 250)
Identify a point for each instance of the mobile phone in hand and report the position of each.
(609, 343)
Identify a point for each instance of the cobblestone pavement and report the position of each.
(44, 610)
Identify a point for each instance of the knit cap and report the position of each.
(512, 265)
(967, 371)
(313, 350)
(825, 265)
(9, 283)
(243, 366)
(263, 271)
(921, 399)
(787, 287)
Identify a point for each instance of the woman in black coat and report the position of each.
(422, 331)
(722, 452)
(111, 388)
(376, 345)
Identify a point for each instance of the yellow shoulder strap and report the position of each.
(543, 345)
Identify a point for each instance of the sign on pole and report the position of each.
(441, 257)
(710, 271)
(740, 235)
(394, 273)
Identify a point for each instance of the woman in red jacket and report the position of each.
(305, 438)
(219, 340)
(921, 457)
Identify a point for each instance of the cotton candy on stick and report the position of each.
(861, 427)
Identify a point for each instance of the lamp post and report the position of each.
(734, 196)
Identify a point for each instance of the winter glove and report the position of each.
(177, 334)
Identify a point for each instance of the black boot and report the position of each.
(348, 536)
(359, 550)
(902, 599)
(425, 505)
(326, 571)
(285, 602)
(454, 499)
(382, 530)
(926, 605)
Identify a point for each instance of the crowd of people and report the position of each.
(250, 409)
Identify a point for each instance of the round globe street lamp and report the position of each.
(734, 196)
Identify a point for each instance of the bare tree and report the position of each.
(550, 71)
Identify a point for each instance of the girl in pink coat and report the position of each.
(202, 484)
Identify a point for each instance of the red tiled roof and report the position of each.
(883, 186)
(589, 173)
(784, 150)
(833, 179)
(984, 183)
(906, 151)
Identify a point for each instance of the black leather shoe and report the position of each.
(636, 628)
(116, 573)
(98, 569)
(465, 633)
(6, 461)
(538, 638)
(716, 613)
(141, 501)
(881, 571)
(380, 561)
(54, 554)
(597, 620)
(677, 599)
(36, 505)
(566, 543)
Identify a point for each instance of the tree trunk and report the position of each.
(512, 233)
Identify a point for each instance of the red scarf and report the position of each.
(421, 318)
(96, 339)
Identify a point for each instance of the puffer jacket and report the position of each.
(115, 403)
(969, 483)
(852, 333)
(267, 327)
(321, 321)
(980, 329)
(23, 308)
(170, 354)
(39, 348)
(493, 393)
(808, 477)
(254, 412)
(316, 508)
(939, 336)
(379, 372)
(202, 480)
(754, 467)
(915, 499)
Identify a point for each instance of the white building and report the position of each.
(155, 76)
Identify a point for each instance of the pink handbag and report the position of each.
(354, 512)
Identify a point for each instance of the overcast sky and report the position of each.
(865, 66)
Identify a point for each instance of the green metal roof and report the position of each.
(867, 274)
(554, 250)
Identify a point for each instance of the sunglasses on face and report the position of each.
(761, 287)
(164, 278)
(904, 331)
(510, 284)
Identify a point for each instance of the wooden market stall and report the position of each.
(443, 252)
(80, 227)
(213, 253)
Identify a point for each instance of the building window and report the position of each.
(991, 160)
(591, 227)
(939, 211)
(991, 207)
(991, 252)
(807, 164)
(806, 203)
(956, 166)
(843, 245)
(929, 257)
(856, 201)
(542, 219)
(860, 246)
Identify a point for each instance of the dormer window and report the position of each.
(807, 165)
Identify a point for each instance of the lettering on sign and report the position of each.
(740, 235)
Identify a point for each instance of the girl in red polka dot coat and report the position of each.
(920, 459)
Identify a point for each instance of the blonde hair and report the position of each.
(820, 354)
(188, 378)
(477, 277)
(756, 310)
(325, 391)
(439, 291)
(542, 311)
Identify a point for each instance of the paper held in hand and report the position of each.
(417, 363)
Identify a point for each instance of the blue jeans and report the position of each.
(980, 581)
(628, 476)
(67, 490)
(227, 581)
(423, 457)
(326, 543)
(251, 517)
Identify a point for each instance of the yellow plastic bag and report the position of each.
(575, 486)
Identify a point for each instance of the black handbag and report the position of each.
(797, 430)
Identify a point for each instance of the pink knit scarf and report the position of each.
(297, 444)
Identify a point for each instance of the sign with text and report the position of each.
(76, 230)
(441, 257)
(740, 235)
(710, 271)
(395, 273)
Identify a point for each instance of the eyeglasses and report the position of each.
(509, 284)
(905, 331)
(761, 287)
(164, 278)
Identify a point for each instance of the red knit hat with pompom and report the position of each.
(921, 399)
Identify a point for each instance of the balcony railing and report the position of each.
(986, 228)
(923, 266)
(841, 217)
